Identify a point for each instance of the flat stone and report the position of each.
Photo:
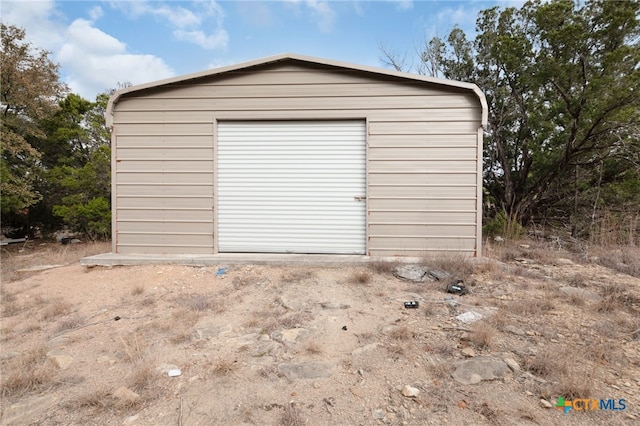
(477, 369)
(29, 411)
(410, 391)
(364, 349)
(125, 394)
(582, 293)
(62, 359)
(563, 261)
(514, 330)
(306, 370)
(469, 317)
(263, 348)
(512, 364)
(413, 273)
(377, 414)
(545, 403)
(289, 336)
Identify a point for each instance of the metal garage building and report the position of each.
(293, 154)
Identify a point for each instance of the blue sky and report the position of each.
(99, 44)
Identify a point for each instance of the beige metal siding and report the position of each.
(423, 164)
(164, 188)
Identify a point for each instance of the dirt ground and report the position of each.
(255, 345)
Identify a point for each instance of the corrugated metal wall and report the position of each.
(291, 186)
(422, 154)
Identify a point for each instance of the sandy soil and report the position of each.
(317, 346)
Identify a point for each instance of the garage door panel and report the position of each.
(291, 187)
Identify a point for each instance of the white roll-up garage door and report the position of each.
(291, 187)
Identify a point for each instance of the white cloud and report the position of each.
(95, 13)
(325, 14)
(404, 4)
(95, 61)
(41, 21)
(187, 24)
(219, 39)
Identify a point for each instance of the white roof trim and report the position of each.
(286, 56)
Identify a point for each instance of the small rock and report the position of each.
(529, 393)
(468, 352)
(130, 420)
(306, 370)
(563, 261)
(414, 273)
(357, 391)
(377, 414)
(524, 246)
(474, 370)
(512, 364)
(410, 391)
(545, 403)
(62, 359)
(289, 336)
(469, 317)
(125, 394)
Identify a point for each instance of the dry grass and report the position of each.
(48, 254)
(313, 348)
(359, 277)
(137, 290)
(550, 364)
(142, 378)
(98, 399)
(296, 275)
(224, 367)
(616, 297)
(531, 307)
(481, 335)
(401, 333)
(458, 265)
(70, 323)
(134, 348)
(578, 280)
(29, 373)
(380, 266)
(291, 416)
(55, 308)
(623, 259)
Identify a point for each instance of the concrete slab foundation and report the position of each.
(114, 259)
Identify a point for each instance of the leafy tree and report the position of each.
(29, 90)
(562, 84)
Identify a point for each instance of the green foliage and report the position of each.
(561, 80)
(502, 225)
(29, 88)
(85, 195)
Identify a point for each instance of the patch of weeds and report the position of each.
(546, 364)
(380, 266)
(616, 298)
(185, 317)
(183, 336)
(396, 350)
(445, 348)
(575, 300)
(137, 290)
(365, 337)
(55, 309)
(481, 335)
(70, 323)
(625, 260)
(240, 282)
(577, 280)
(202, 302)
(359, 277)
(30, 372)
(147, 302)
(224, 367)
(440, 370)
(488, 413)
(499, 319)
(142, 378)
(401, 333)
(577, 384)
(313, 348)
(291, 416)
(531, 307)
(458, 265)
(133, 348)
(98, 399)
(296, 275)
